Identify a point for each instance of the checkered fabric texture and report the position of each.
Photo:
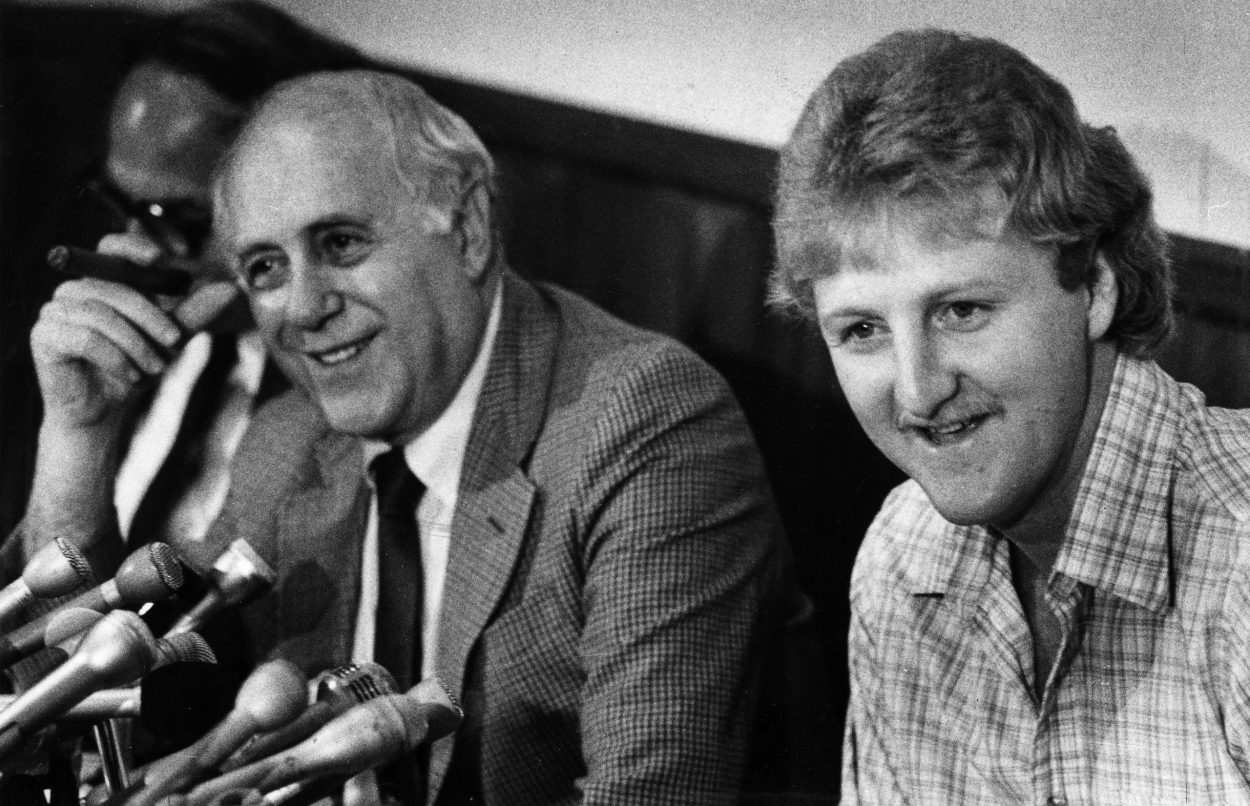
(614, 565)
(1149, 701)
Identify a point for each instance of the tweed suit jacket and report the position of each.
(615, 566)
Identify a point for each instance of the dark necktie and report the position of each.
(397, 642)
(397, 645)
(185, 461)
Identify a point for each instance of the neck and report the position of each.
(1039, 533)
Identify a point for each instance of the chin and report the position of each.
(357, 418)
(962, 510)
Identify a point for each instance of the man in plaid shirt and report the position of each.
(1055, 608)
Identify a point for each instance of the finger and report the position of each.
(133, 245)
(56, 343)
(142, 312)
(72, 315)
(205, 304)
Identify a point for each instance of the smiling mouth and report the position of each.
(336, 356)
(952, 432)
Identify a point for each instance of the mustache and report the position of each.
(964, 407)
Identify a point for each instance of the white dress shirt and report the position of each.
(436, 457)
(158, 428)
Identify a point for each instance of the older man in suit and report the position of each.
(595, 554)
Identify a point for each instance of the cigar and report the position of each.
(164, 276)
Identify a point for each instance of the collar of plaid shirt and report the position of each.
(1117, 538)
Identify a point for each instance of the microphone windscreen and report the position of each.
(337, 690)
(368, 735)
(57, 569)
(187, 646)
(148, 575)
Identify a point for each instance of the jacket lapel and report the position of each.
(496, 495)
(320, 529)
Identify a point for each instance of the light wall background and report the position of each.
(1173, 76)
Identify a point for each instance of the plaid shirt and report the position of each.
(1150, 701)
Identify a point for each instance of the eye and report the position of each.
(860, 331)
(343, 247)
(860, 335)
(263, 272)
(963, 316)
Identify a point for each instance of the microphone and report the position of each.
(270, 697)
(187, 647)
(54, 570)
(366, 736)
(337, 690)
(112, 703)
(106, 704)
(151, 573)
(68, 626)
(239, 575)
(118, 649)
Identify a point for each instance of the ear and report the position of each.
(475, 230)
(1104, 293)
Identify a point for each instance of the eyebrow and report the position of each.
(975, 288)
(312, 228)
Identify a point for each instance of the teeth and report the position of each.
(340, 355)
(953, 429)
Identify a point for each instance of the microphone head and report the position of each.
(119, 647)
(150, 573)
(69, 623)
(354, 683)
(273, 694)
(240, 574)
(187, 647)
(57, 569)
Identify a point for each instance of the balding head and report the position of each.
(432, 152)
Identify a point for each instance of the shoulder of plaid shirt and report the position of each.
(1149, 706)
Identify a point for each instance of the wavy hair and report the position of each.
(949, 129)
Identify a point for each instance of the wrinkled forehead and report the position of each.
(313, 127)
(295, 144)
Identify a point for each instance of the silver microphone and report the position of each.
(149, 574)
(270, 697)
(337, 690)
(239, 575)
(363, 737)
(117, 649)
(54, 570)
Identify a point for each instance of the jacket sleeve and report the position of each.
(683, 558)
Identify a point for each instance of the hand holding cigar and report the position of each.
(165, 275)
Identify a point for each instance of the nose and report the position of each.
(312, 298)
(924, 378)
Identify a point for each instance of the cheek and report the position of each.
(867, 390)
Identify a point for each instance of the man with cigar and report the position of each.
(562, 517)
(1054, 609)
(177, 108)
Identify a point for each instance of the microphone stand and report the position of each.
(113, 761)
